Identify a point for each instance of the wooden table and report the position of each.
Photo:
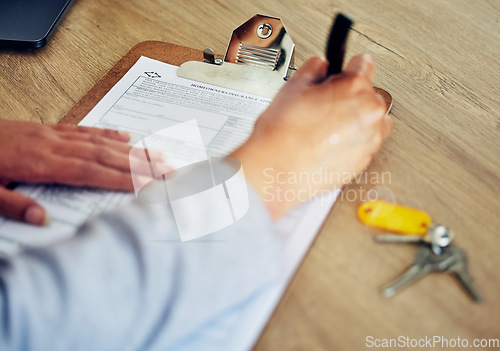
(440, 61)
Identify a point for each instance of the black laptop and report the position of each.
(30, 23)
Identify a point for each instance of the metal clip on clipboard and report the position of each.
(258, 60)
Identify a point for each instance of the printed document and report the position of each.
(151, 97)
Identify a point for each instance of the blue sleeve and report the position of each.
(126, 282)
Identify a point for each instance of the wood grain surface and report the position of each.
(439, 59)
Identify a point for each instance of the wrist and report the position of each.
(260, 171)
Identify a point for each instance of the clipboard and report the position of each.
(157, 50)
(205, 61)
(259, 56)
(258, 60)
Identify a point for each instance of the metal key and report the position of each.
(459, 269)
(425, 261)
(437, 236)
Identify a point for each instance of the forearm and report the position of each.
(126, 281)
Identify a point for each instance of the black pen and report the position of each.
(336, 43)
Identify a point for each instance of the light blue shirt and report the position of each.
(126, 282)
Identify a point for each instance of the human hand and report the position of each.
(66, 154)
(332, 126)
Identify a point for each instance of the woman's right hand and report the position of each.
(333, 125)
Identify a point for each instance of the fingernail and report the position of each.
(367, 58)
(323, 60)
(36, 215)
(124, 134)
(155, 154)
(170, 173)
(161, 167)
(380, 98)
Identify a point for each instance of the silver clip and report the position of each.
(262, 42)
(258, 59)
(209, 57)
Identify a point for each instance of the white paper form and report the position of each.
(151, 97)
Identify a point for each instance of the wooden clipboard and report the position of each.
(169, 53)
(165, 52)
(157, 50)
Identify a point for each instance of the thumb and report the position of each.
(363, 65)
(311, 72)
(21, 208)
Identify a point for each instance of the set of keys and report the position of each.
(436, 252)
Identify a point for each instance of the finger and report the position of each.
(363, 65)
(153, 155)
(355, 79)
(107, 156)
(73, 171)
(372, 108)
(104, 155)
(387, 127)
(16, 206)
(91, 139)
(343, 86)
(142, 163)
(106, 133)
(156, 155)
(312, 71)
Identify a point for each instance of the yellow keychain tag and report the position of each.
(394, 218)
